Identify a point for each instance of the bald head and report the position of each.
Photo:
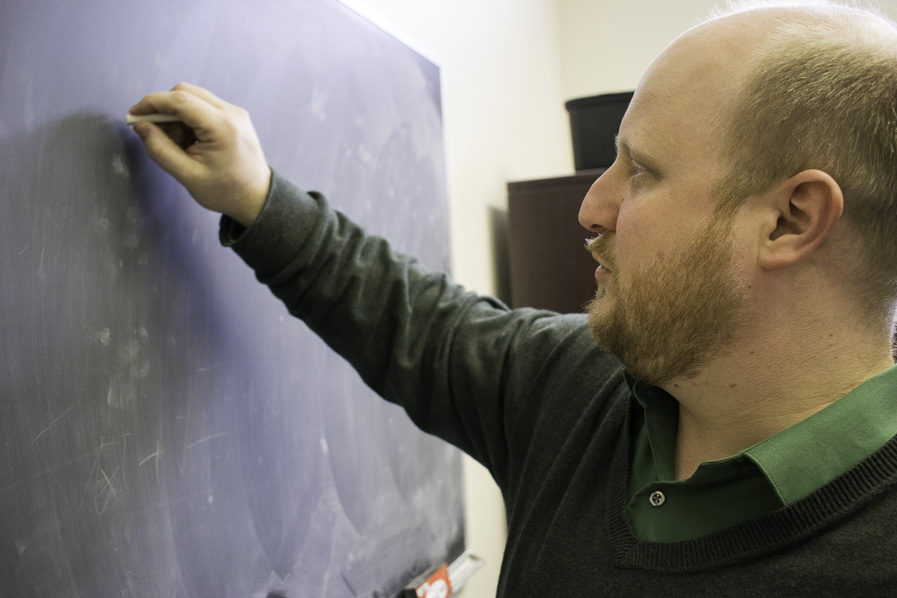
(703, 70)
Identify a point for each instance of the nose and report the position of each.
(599, 209)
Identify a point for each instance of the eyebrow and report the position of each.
(635, 152)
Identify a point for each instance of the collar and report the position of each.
(802, 458)
(811, 453)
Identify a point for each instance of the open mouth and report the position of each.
(601, 263)
(601, 272)
(594, 247)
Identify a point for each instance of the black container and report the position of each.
(594, 122)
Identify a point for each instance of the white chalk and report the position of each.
(151, 118)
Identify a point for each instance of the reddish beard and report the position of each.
(667, 319)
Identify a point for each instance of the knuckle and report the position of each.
(179, 96)
(231, 127)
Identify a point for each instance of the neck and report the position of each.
(771, 383)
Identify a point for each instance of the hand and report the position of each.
(214, 151)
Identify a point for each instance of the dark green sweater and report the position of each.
(528, 394)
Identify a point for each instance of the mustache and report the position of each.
(600, 247)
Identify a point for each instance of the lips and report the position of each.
(601, 272)
(599, 249)
(601, 263)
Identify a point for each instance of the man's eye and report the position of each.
(637, 170)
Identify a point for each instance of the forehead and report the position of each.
(676, 107)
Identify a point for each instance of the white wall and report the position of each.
(607, 45)
(504, 120)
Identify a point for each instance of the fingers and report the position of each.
(165, 152)
(201, 92)
(195, 111)
(225, 169)
(166, 102)
(180, 133)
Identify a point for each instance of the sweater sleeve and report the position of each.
(460, 364)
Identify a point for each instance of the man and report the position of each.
(747, 277)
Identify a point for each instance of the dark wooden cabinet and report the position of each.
(549, 266)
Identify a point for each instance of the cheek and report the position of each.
(640, 239)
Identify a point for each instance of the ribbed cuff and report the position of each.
(281, 229)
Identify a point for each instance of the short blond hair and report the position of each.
(823, 95)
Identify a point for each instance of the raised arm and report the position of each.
(488, 379)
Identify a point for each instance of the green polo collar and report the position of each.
(815, 451)
(775, 472)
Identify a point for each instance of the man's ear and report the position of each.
(802, 211)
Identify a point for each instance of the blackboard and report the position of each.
(166, 428)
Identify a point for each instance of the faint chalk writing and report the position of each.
(106, 490)
(159, 452)
(53, 423)
(40, 265)
(94, 480)
(104, 336)
(119, 167)
(206, 439)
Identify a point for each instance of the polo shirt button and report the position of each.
(657, 498)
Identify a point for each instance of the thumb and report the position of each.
(165, 152)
